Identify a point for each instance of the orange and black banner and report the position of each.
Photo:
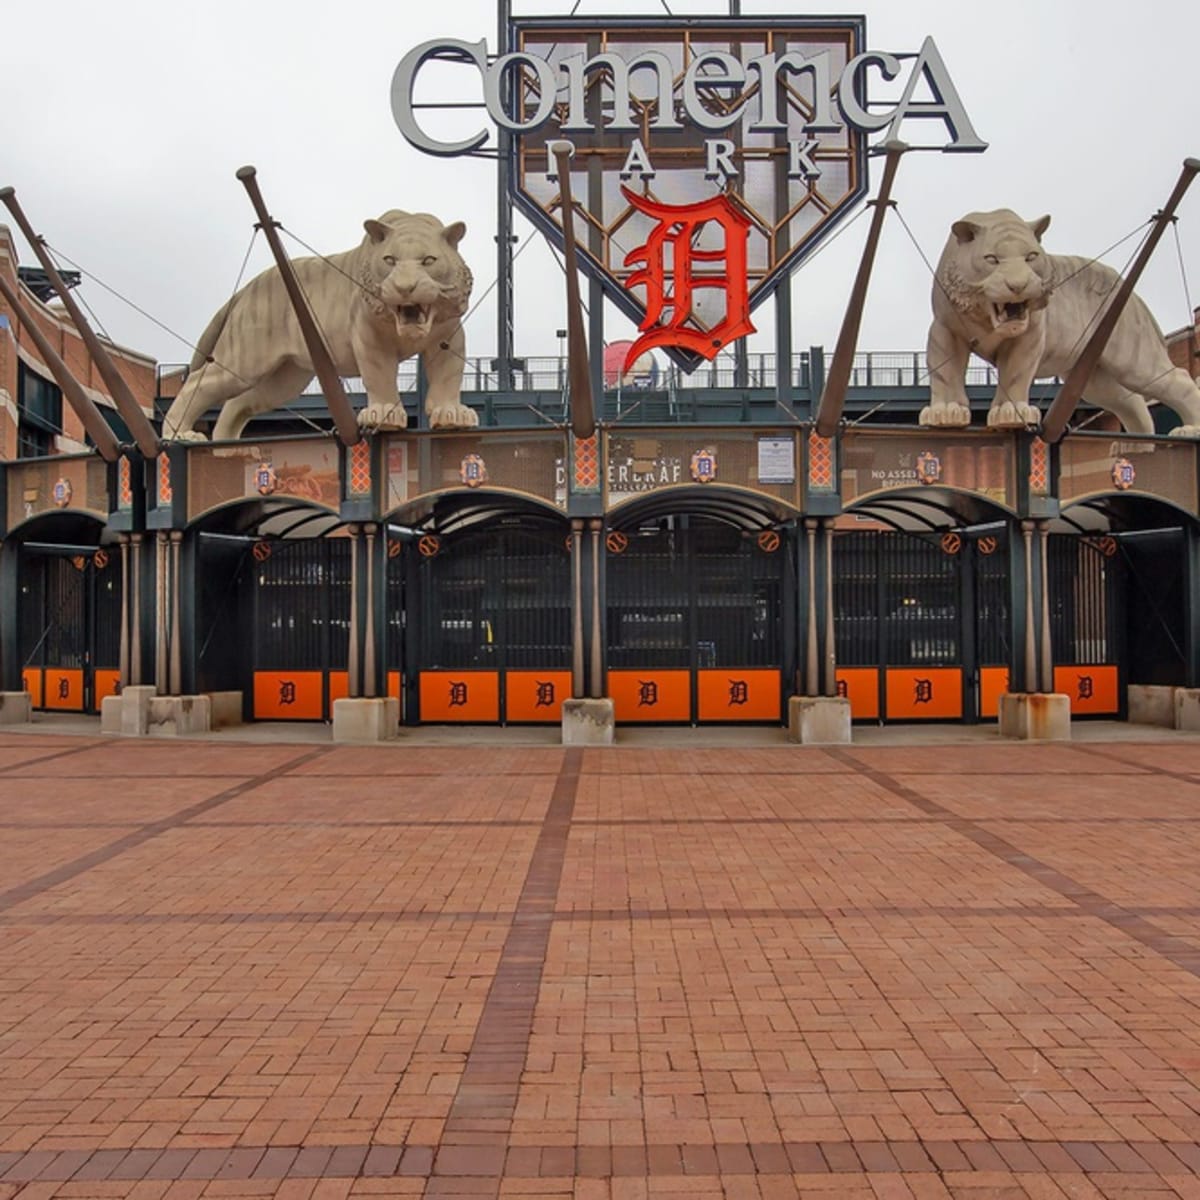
(535, 696)
(993, 683)
(924, 693)
(739, 695)
(289, 695)
(860, 685)
(62, 688)
(460, 696)
(1093, 690)
(650, 697)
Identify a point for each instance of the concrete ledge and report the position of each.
(588, 722)
(16, 708)
(373, 719)
(1035, 716)
(1151, 704)
(175, 716)
(1187, 709)
(819, 720)
(142, 712)
(226, 709)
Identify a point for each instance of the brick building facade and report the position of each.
(33, 417)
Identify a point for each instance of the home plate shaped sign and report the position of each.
(711, 154)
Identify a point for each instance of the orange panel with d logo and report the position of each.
(1092, 689)
(32, 678)
(460, 696)
(339, 686)
(651, 696)
(993, 683)
(105, 684)
(924, 693)
(860, 685)
(738, 695)
(64, 688)
(535, 695)
(289, 695)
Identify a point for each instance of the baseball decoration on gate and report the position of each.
(429, 545)
(929, 467)
(951, 543)
(616, 542)
(768, 541)
(987, 545)
(261, 551)
(704, 465)
(100, 560)
(472, 471)
(1123, 474)
(265, 481)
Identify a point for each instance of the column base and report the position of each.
(1151, 704)
(1035, 716)
(366, 719)
(226, 709)
(588, 722)
(819, 720)
(1187, 709)
(16, 708)
(142, 712)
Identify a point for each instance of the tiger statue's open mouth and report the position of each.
(414, 318)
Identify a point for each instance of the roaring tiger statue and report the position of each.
(402, 291)
(997, 294)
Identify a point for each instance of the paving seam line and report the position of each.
(1175, 949)
(42, 883)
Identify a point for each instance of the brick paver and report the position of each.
(239, 970)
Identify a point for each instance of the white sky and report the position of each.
(126, 163)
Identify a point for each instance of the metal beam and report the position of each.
(85, 409)
(1071, 392)
(833, 398)
(583, 412)
(331, 382)
(118, 389)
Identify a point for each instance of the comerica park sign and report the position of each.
(712, 155)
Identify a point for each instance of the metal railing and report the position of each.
(899, 369)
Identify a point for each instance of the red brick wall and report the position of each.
(1184, 346)
(137, 370)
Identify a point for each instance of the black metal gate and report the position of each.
(919, 622)
(1156, 610)
(486, 622)
(69, 626)
(695, 621)
(1087, 577)
(301, 623)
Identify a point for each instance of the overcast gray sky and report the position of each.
(126, 160)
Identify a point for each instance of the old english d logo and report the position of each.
(672, 287)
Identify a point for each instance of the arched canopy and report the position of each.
(925, 509)
(274, 517)
(735, 506)
(461, 510)
(1121, 512)
(70, 527)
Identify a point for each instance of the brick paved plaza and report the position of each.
(297, 970)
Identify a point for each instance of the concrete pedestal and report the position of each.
(226, 709)
(1035, 716)
(588, 722)
(1152, 704)
(1187, 709)
(819, 720)
(16, 708)
(374, 719)
(142, 712)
